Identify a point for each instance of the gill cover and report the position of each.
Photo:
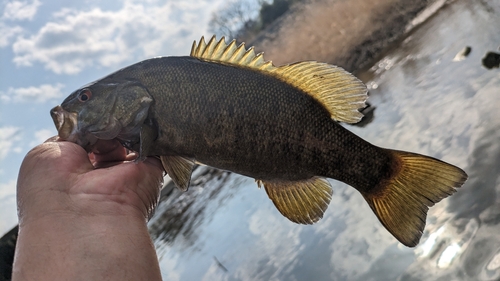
(109, 110)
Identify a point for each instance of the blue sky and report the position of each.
(50, 48)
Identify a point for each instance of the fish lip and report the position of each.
(67, 128)
(57, 116)
(65, 122)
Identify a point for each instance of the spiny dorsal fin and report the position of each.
(302, 202)
(341, 93)
(230, 54)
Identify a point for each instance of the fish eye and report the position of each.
(84, 95)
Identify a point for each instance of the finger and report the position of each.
(56, 156)
(56, 140)
(108, 164)
(131, 156)
(92, 159)
(105, 146)
(109, 151)
(155, 162)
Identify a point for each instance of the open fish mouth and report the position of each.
(67, 128)
(65, 121)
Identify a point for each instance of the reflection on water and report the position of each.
(447, 243)
(225, 228)
(182, 212)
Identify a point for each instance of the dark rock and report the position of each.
(462, 54)
(491, 60)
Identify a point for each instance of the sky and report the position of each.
(50, 48)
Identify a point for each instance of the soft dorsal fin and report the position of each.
(340, 92)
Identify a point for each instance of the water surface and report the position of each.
(225, 228)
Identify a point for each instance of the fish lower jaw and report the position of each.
(86, 141)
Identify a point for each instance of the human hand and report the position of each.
(59, 176)
(83, 216)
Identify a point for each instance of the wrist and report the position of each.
(71, 227)
(82, 208)
(61, 202)
(72, 245)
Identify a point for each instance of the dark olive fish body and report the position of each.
(243, 121)
(226, 107)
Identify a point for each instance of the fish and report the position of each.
(225, 106)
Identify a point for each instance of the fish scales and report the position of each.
(226, 107)
(256, 125)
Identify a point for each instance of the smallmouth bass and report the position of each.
(226, 107)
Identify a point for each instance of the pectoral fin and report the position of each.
(148, 135)
(179, 169)
(300, 201)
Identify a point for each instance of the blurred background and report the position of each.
(432, 70)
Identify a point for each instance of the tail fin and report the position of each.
(401, 203)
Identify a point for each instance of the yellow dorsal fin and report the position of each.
(340, 93)
(228, 53)
(303, 201)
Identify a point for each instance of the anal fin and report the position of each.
(179, 169)
(302, 202)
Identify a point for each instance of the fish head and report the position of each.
(102, 110)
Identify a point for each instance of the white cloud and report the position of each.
(8, 188)
(21, 10)
(75, 39)
(42, 93)
(8, 136)
(42, 135)
(8, 32)
(275, 239)
(15, 10)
